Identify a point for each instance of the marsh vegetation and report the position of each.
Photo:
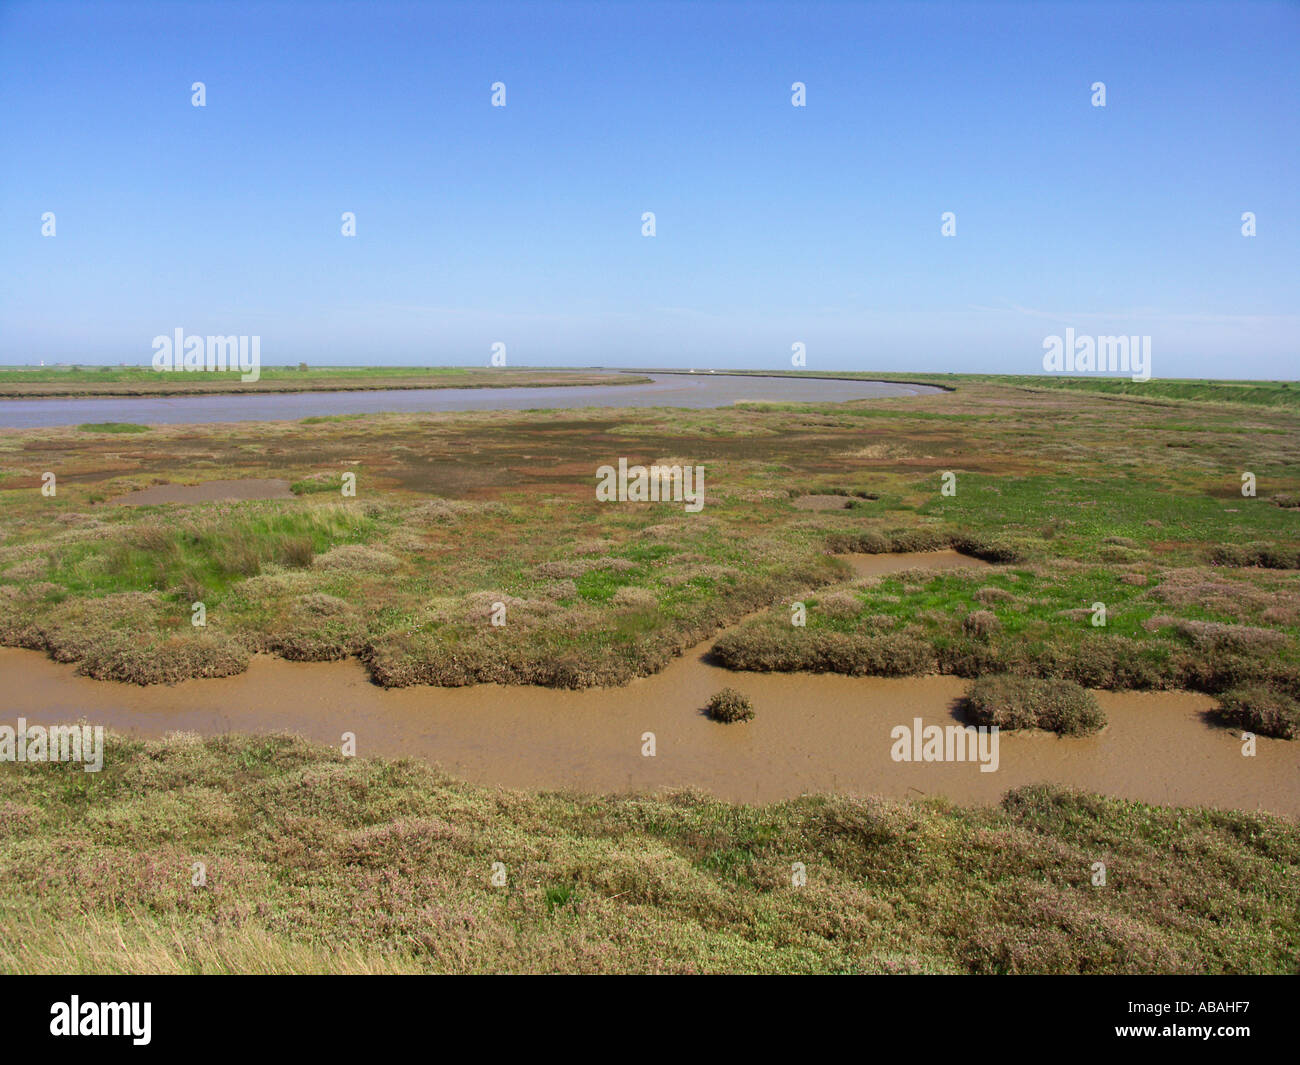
(1076, 499)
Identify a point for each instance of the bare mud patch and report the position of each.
(816, 502)
(208, 492)
(865, 565)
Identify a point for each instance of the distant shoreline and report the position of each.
(144, 383)
(884, 376)
(141, 384)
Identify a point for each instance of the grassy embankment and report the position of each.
(315, 863)
(1283, 394)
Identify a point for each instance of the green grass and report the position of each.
(1192, 628)
(1254, 393)
(1076, 511)
(112, 427)
(316, 485)
(203, 555)
(326, 419)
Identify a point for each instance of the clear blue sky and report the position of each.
(775, 224)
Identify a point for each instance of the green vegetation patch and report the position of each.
(1117, 627)
(202, 554)
(112, 427)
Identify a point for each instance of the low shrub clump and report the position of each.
(840, 605)
(1267, 711)
(1267, 555)
(1011, 702)
(997, 551)
(980, 624)
(730, 705)
(763, 648)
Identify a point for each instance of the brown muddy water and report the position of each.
(812, 733)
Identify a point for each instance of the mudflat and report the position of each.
(209, 492)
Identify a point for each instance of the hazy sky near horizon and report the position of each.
(774, 224)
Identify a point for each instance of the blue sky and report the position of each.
(775, 224)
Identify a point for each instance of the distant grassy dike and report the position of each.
(28, 382)
(1199, 390)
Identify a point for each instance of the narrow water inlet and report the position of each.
(812, 733)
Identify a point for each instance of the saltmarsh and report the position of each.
(1080, 499)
